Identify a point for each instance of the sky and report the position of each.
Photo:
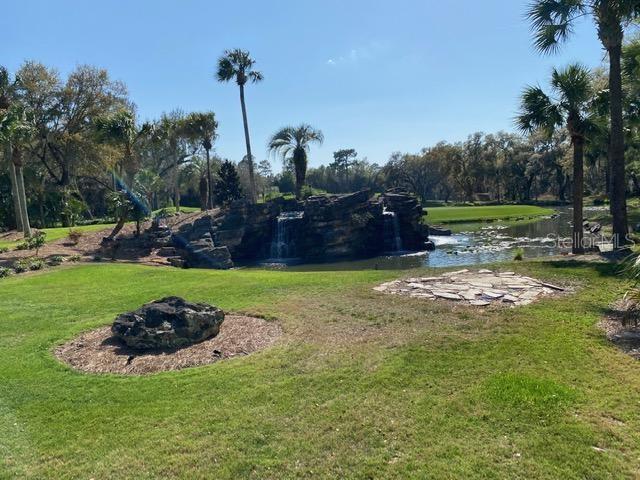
(376, 76)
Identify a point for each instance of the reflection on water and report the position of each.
(492, 242)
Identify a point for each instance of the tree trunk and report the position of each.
(578, 187)
(119, 226)
(20, 190)
(209, 182)
(252, 183)
(176, 183)
(14, 194)
(616, 150)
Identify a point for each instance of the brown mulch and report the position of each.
(97, 351)
(620, 327)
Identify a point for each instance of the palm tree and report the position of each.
(295, 141)
(16, 130)
(238, 65)
(201, 127)
(552, 22)
(572, 87)
(120, 129)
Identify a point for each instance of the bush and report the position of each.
(519, 254)
(4, 249)
(37, 264)
(35, 241)
(5, 272)
(22, 246)
(74, 235)
(21, 266)
(55, 260)
(74, 258)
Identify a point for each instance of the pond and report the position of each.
(475, 243)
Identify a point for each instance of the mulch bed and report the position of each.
(621, 328)
(97, 351)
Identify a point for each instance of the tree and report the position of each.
(573, 90)
(120, 129)
(552, 22)
(201, 127)
(16, 131)
(266, 176)
(171, 130)
(342, 161)
(228, 186)
(238, 65)
(295, 141)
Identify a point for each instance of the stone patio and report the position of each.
(480, 288)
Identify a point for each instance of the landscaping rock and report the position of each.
(170, 322)
(479, 288)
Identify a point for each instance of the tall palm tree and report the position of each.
(292, 143)
(569, 108)
(238, 65)
(201, 127)
(552, 22)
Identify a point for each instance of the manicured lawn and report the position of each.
(363, 385)
(61, 232)
(483, 213)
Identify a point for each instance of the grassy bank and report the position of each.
(362, 384)
(483, 213)
(57, 233)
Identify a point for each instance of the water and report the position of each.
(478, 243)
(392, 231)
(284, 243)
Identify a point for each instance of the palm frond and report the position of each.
(552, 20)
(537, 112)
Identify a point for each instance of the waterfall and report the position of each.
(392, 230)
(284, 242)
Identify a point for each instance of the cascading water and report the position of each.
(392, 231)
(284, 242)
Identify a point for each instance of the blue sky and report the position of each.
(377, 76)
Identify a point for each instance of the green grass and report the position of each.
(61, 232)
(483, 213)
(363, 385)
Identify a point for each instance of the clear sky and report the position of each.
(377, 76)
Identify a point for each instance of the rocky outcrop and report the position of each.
(409, 213)
(171, 322)
(341, 226)
(327, 227)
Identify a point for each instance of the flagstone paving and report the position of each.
(480, 288)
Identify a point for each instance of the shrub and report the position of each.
(519, 254)
(74, 235)
(35, 241)
(37, 264)
(55, 260)
(74, 258)
(22, 246)
(4, 249)
(5, 272)
(21, 266)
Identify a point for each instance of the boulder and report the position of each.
(203, 254)
(170, 322)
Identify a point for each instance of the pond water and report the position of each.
(476, 243)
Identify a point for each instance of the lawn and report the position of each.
(483, 213)
(363, 385)
(57, 233)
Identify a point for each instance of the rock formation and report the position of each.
(328, 227)
(170, 322)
